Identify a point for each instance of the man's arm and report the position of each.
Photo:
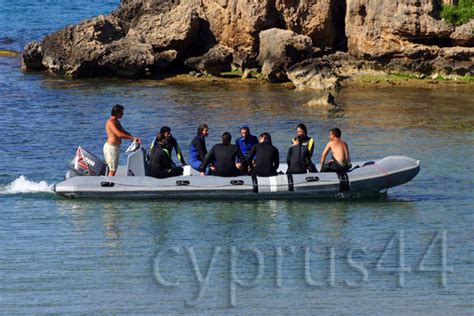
(179, 154)
(197, 143)
(276, 159)
(154, 162)
(207, 160)
(288, 155)
(120, 132)
(251, 154)
(254, 140)
(241, 156)
(311, 147)
(325, 153)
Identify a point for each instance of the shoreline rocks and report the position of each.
(217, 60)
(312, 43)
(280, 49)
(325, 101)
(315, 74)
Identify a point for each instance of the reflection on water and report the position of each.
(444, 108)
(134, 232)
(448, 108)
(60, 251)
(112, 217)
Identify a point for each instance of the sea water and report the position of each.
(410, 251)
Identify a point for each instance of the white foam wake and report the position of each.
(23, 185)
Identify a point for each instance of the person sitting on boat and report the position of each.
(246, 141)
(197, 148)
(115, 134)
(161, 164)
(224, 157)
(297, 157)
(171, 143)
(264, 156)
(308, 142)
(341, 160)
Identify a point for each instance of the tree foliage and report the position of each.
(460, 13)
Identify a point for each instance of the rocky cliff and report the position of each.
(153, 38)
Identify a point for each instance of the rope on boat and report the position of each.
(201, 186)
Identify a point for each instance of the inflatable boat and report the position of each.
(87, 179)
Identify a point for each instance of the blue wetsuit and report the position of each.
(246, 145)
(197, 151)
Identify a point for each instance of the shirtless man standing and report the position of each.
(115, 134)
(340, 153)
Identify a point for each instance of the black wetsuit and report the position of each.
(223, 157)
(297, 159)
(267, 159)
(161, 165)
(171, 144)
(308, 142)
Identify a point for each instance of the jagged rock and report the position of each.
(100, 47)
(246, 74)
(237, 23)
(322, 21)
(251, 73)
(164, 60)
(130, 12)
(280, 49)
(456, 61)
(144, 36)
(326, 101)
(127, 57)
(218, 59)
(457, 53)
(76, 51)
(464, 34)
(176, 29)
(417, 51)
(405, 37)
(315, 73)
(33, 57)
(382, 28)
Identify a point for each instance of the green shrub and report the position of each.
(460, 13)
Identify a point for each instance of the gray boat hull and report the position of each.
(366, 178)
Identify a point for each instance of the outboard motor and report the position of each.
(86, 164)
(136, 161)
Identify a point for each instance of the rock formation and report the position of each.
(217, 60)
(316, 74)
(325, 101)
(389, 27)
(33, 56)
(149, 37)
(321, 20)
(464, 34)
(280, 49)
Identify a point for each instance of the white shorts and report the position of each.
(111, 155)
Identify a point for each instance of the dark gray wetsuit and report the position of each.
(298, 159)
(267, 159)
(161, 165)
(223, 157)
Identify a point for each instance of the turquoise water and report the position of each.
(357, 256)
